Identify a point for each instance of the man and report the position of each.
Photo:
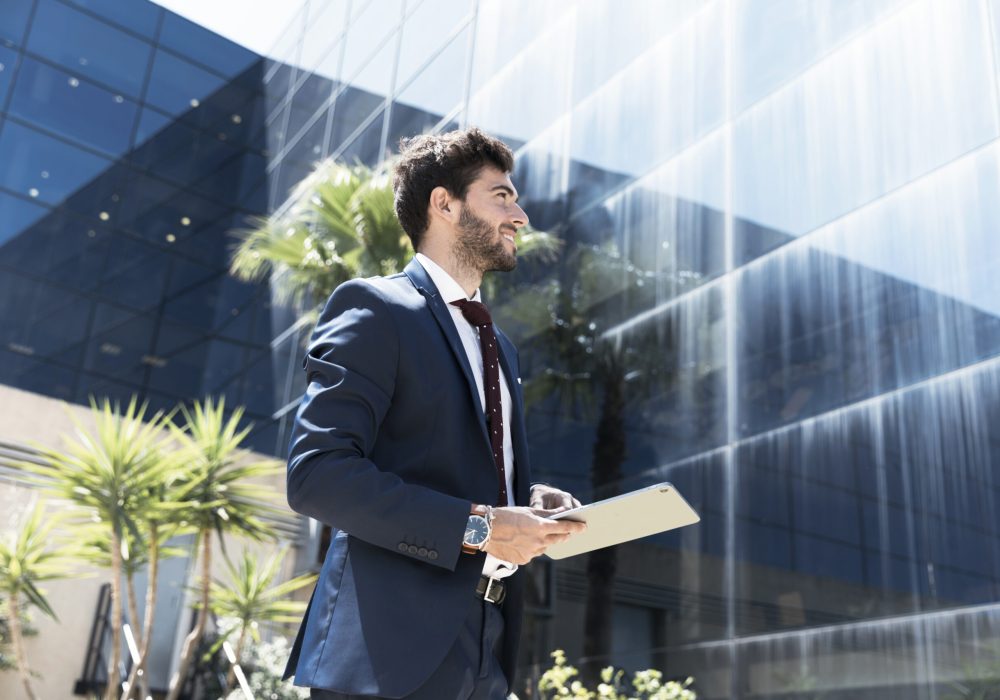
(410, 443)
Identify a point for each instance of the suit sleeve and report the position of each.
(351, 368)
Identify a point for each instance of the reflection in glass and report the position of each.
(433, 94)
(89, 47)
(881, 299)
(177, 86)
(841, 135)
(42, 167)
(73, 107)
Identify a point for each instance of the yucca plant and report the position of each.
(252, 598)
(113, 475)
(28, 556)
(224, 498)
(146, 553)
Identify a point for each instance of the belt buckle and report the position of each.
(489, 587)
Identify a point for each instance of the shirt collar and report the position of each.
(448, 288)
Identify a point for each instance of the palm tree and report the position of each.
(225, 499)
(340, 223)
(251, 598)
(597, 376)
(27, 558)
(110, 475)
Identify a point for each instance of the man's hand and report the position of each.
(549, 498)
(520, 534)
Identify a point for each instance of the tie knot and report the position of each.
(475, 312)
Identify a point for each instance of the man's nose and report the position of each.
(519, 219)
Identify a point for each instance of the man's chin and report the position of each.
(504, 264)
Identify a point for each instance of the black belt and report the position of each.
(491, 589)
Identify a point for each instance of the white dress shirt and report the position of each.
(450, 291)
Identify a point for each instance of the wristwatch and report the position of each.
(478, 529)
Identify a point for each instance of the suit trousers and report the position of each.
(471, 669)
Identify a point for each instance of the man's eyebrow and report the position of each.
(506, 189)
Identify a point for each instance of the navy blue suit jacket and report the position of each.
(390, 448)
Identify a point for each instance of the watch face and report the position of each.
(476, 530)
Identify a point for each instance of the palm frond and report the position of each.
(30, 554)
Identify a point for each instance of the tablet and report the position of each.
(641, 513)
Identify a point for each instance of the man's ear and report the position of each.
(442, 203)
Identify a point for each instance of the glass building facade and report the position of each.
(781, 235)
(131, 142)
(777, 287)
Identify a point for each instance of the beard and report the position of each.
(480, 246)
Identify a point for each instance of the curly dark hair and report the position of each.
(451, 160)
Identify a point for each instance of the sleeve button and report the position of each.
(422, 551)
(402, 546)
(432, 554)
(412, 549)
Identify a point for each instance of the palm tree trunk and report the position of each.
(602, 564)
(13, 610)
(134, 677)
(231, 676)
(191, 642)
(112, 690)
(133, 608)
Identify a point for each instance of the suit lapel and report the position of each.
(422, 281)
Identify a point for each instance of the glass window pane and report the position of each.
(433, 93)
(512, 97)
(41, 319)
(42, 167)
(843, 134)
(60, 246)
(778, 39)
(17, 214)
(73, 107)
(366, 94)
(671, 227)
(634, 27)
(665, 100)
(882, 299)
(425, 30)
(89, 47)
(140, 17)
(365, 37)
(204, 46)
(119, 342)
(323, 37)
(365, 147)
(177, 86)
(14, 21)
(8, 59)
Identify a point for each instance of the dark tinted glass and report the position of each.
(89, 47)
(42, 167)
(14, 20)
(73, 107)
(139, 17)
(8, 61)
(201, 45)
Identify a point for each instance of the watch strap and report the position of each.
(487, 513)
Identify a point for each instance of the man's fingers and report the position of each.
(556, 527)
(555, 537)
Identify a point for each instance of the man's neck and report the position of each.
(468, 279)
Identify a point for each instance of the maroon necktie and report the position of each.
(478, 315)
